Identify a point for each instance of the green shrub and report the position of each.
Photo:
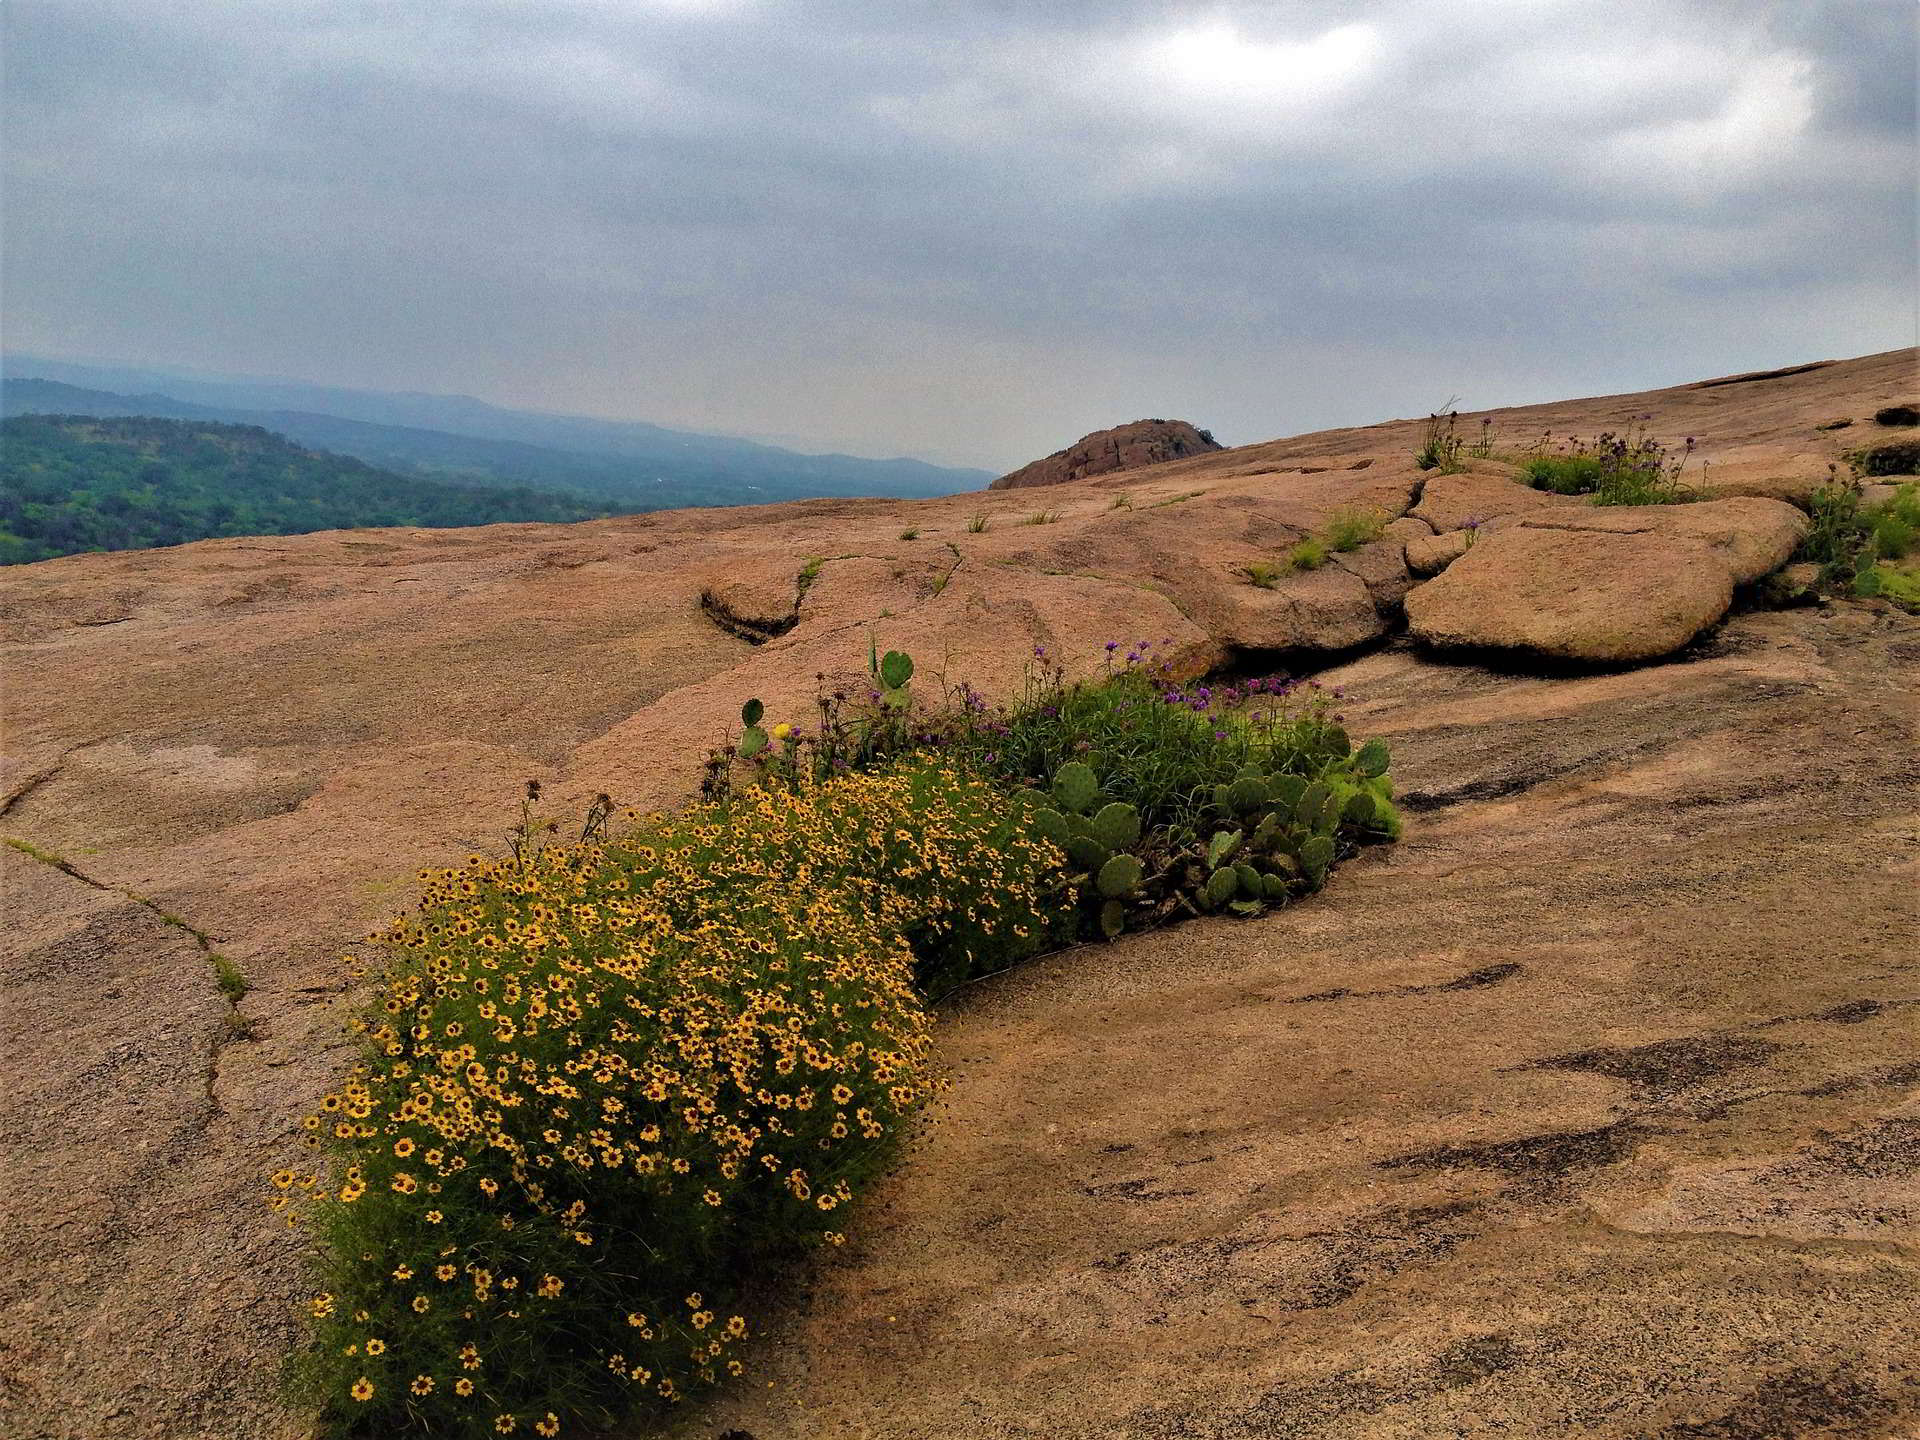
(1350, 529)
(1849, 537)
(604, 1083)
(1562, 474)
(1263, 574)
(227, 975)
(1899, 585)
(978, 524)
(607, 1084)
(1309, 554)
(1628, 467)
(1440, 447)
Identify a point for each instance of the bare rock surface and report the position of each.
(1430, 554)
(1124, 447)
(1590, 596)
(1751, 535)
(1586, 1111)
(1413, 1157)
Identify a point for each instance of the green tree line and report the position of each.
(71, 483)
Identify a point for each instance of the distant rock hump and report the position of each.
(1125, 447)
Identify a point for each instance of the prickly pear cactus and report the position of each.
(1116, 826)
(1120, 876)
(1075, 786)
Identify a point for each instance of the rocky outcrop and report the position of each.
(1430, 554)
(1125, 447)
(1600, 584)
(1611, 885)
(1586, 1111)
(1597, 597)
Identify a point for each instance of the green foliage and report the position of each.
(895, 670)
(1350, 529)
(1849, 538)
(809, 573)
(1371, 759)
(1310, 554)
(1120, 876)
(1042, 517)
(625, 467)
(1075, 786)
(1116, 825)
(73, 483)
(1898, 584)
(1440, 447)
(1627, 467)
(1891, 457)
(978, 524)
(1263, 574)
(909, 534)
(606, 1085)
(227, 976)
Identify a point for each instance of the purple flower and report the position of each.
(1112, 645)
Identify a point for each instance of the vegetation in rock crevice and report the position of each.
(607, 1081)
(1865, 548)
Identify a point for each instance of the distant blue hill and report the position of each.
(451, 437)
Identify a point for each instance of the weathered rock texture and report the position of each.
(1125, 447)
(1583, 1112)
(1600, 584)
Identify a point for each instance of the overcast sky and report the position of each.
(966, 229)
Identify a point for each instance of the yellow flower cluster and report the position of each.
(605, 1080)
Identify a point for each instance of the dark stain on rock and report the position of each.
(1794, 1405)
(1300, 1409)
(1906, 1073)
(1854, 1012)
(1666, 1067)
(1472, 980)
(1382, 1244)
(1132, 1190)
(1888, 1148)
(1533, 1159)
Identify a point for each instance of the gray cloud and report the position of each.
(972, 230)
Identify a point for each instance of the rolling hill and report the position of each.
(454, 437)
(71, 483)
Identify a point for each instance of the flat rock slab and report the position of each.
(1593, 596)
(1753, 535)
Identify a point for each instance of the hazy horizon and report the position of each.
(967, 236)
